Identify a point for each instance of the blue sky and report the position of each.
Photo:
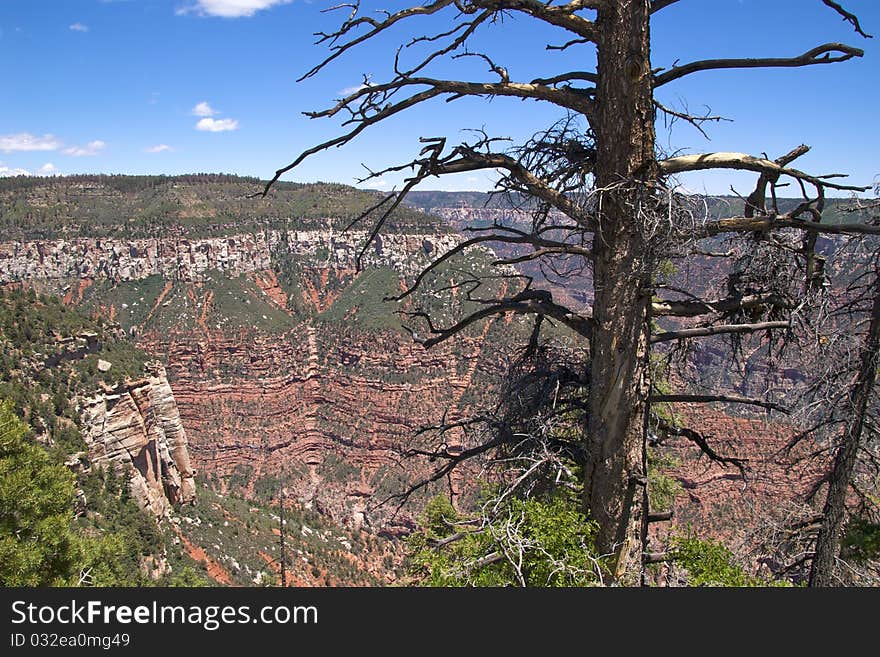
(176, 86)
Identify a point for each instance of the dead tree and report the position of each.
(600, 194)
(848, 404)
(841, 477)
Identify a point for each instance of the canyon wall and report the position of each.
(331, 413)
(190, 259)
(136, 429)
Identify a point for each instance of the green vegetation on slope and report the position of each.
(711, 563)
(184, 206)
(215, 303)
(243, 537)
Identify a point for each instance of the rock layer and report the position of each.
(137, 429)
(320, 410)
(190, 259)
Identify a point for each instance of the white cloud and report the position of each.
(230, 8)
(380, 183)
(217, 125)
(47, 169)
(158, 148)
(348, 91)
(92, 148)
(25, 141)
(203, 109)
(79, 27)
(6, 172)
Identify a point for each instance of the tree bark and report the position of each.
(822, 570)
(615, 493)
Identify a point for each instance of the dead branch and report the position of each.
(354, 21)
(847, 16)
(696, 121)
(759, 224)
(567, 77)
(657, 5)
(828, 53)
(756, 203)
(518, 238)
(717, 330)
(727, 399)
(729, 305)
(702, 442)
(530, 302)
(743, 162)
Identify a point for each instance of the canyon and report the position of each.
(284, 363)
(319, 402)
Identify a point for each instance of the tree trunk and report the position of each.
(834, 514)
(616, 470)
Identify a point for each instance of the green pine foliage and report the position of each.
(711, 563)
(662, 487)
(43, 544)
(861, 540)
(536, 541)
(37, 544)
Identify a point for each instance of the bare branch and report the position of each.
(657, 5)
(534, 240)
(473, 161)
(377, 27)
(731, 304)
(573, 99)
(347, 137)
(850, 18)
(567, 77)
(754, 224)
(695, 121)
(717, 330)
(744, 162)
(563, 16)
(368, 114)
(702, 442)
(828, 53)
(564, 249)
(568, 44)
(756, 203)
(728, 399)
(529, 302)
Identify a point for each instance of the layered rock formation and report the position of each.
(330, 413)
(189, 259)
(137, 429)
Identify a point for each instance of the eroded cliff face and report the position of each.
(189, 259)
(330, 413)
(136, 428)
